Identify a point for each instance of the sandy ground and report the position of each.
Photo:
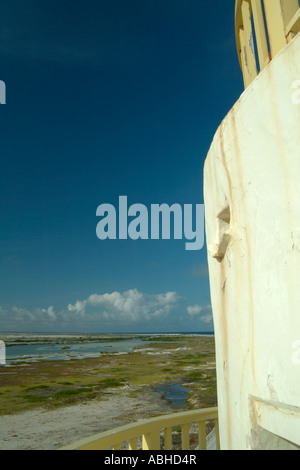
(50, 430)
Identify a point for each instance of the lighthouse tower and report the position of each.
(252, 212)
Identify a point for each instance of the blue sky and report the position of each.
(107, 98)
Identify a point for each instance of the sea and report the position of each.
(23, 348)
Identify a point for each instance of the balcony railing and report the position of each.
(158, 433)
(263, 28)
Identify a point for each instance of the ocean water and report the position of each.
(68, 350)
(65, 349)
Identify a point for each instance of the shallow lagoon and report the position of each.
(67, 351)
(109, 365)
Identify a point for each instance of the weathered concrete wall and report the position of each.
(252, 211)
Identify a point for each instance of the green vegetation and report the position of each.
(33, 398)
(37, 387)
(72, 391)
(51, 384)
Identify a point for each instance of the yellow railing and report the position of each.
(155, 433)
(263, 28)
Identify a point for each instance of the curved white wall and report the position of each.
(252, 211)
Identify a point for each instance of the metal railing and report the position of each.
(155, 433)
(263, 28)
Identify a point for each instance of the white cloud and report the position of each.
(114, 309)
(204, 312)
(131, 305)
(195, 310)
(17, 318)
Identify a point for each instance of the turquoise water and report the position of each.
(67, 351)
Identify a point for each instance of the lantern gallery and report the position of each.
(136, 223)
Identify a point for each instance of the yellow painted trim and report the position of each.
(238, 25)
(294, 25)
(289, 10)
(246, 76)
(185, 436)
(132, 444)
(260, 33)
(217, 433)
(249, 41)
(148, 429)
(275, 23)
(283, 24)
(202, 435)
(168, 439)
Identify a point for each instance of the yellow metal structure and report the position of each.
(153, 433)
(263, 29)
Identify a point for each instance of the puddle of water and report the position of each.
(175, 393)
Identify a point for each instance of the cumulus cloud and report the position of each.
(194, 310)
(116, 308)
(204, 312)
(12, 318)
(112, 311)
(131, 305)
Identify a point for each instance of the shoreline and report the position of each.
(93, 336)
(69, 345)
(50, 404)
